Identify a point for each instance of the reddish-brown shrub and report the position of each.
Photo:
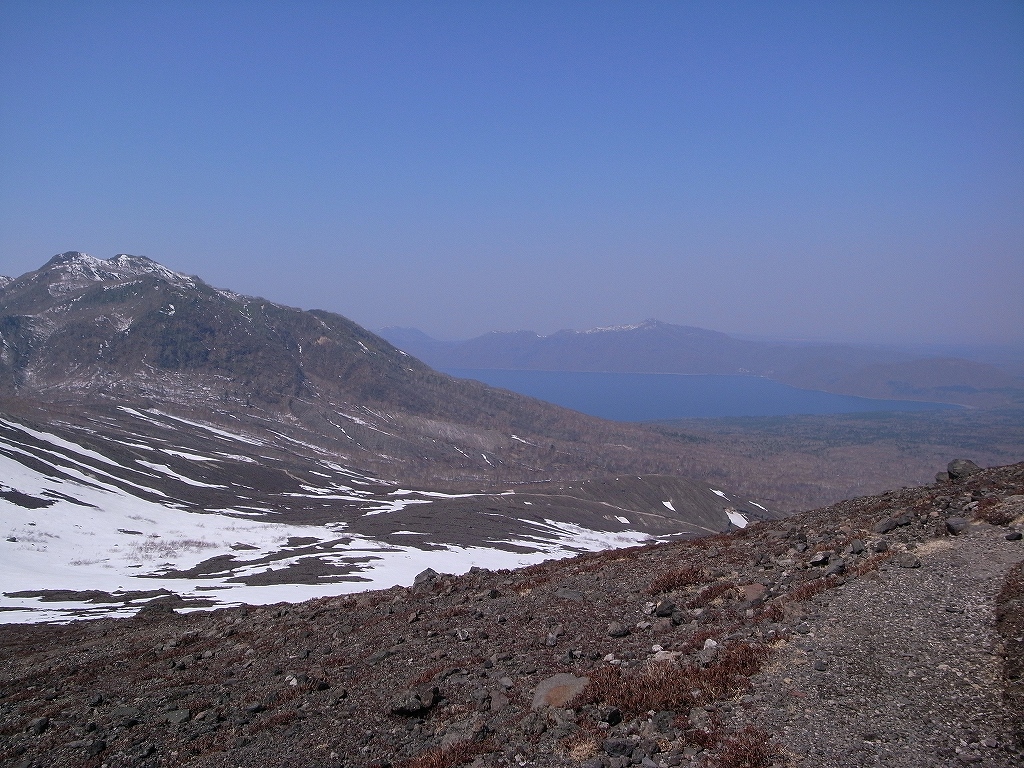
(988, 512)
(275, 720)
(697, 639)
(667, 686)
(750, 748)
(772, 612)
(444, 757)
(811, 588)
(426, 675)
(709, 594)
(872, 563)
(677, 579)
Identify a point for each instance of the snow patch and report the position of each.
(736, 518)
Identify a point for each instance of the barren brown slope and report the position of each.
(83, 332)
(880, 631)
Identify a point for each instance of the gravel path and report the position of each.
(900, 668)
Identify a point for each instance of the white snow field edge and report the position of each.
(121, 543)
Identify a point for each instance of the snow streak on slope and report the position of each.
(77, 541)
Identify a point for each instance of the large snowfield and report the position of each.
(93, 535)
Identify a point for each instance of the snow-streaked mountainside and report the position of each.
(129, 331)
(159, 436)
(101, 526)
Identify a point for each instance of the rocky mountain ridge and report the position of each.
(82, 332)
(884, 630)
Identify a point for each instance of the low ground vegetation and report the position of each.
(724, 652)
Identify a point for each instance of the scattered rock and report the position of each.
(819, 559)
(610, 715)
(618, 747)
(956, 525)
(126, 717)
(553, 634)
(569, 594)
(415, 702)
(617, 629)
(498, 701)
(960, 469)
(425, 578)
(836, 567)
(752, 592)
(892, 523)
(807, 697)
(664, 608)
(557, 690)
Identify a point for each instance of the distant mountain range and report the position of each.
(657, 347)
(159, 434)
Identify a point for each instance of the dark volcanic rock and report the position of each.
(960, 469)
(415, 702)
(956, 525)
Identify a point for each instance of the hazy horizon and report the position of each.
(850, 173)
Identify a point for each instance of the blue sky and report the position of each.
(836, 170)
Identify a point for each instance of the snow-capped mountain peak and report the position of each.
(646, 325)
(77, 269)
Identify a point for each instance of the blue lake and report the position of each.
(653, 396)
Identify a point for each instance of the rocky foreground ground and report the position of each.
(884, 631)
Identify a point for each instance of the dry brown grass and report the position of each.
(750, 748)
(444, 757)
(811, 588)
(710, 594)
(677, 579)
(989, 512)
(667, 686)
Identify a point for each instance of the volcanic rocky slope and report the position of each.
(885, 630)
